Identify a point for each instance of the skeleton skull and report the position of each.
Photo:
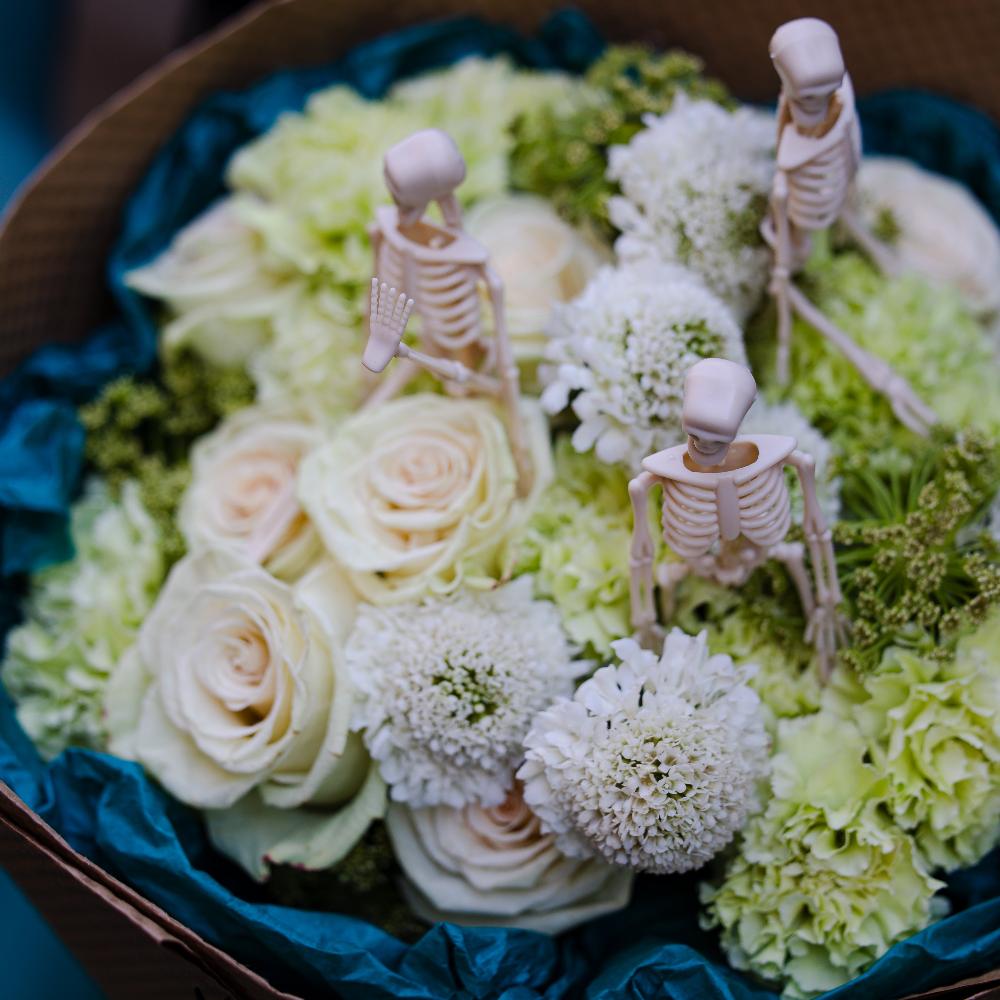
(717, 395)
(424, 167)
(807, 57)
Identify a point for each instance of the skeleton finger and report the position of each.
(406, 312)
(373, 302)
(398, 308)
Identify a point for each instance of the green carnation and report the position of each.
(933, 729)
(81, 616)
(577, 546)
(756, 625)
(824, 882)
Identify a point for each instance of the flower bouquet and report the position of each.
(325, 657)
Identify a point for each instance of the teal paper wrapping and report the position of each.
(108, 810)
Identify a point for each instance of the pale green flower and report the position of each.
(220, 289)
(933, 729)
(824, 882)
(81, 616)
(576, 545)
(318, 177)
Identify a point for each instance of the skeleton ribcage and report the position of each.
(446, 297)
(817, 190)
(691, 513)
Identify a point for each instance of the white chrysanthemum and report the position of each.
(624, 346)
(694, 192)
(652, 764)
(787, 418)
(448, 688)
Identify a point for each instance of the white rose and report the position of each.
(243, 491)
(218, 287)
(237, 682)
(943, 232)
(540, 259)
(495, 867)
(419, 495)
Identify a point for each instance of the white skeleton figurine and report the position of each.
(819, 150)
(442, 267)
(726, 508)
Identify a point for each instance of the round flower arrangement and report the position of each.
(394, 674)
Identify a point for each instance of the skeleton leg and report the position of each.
(781, 272)
(510, 383)
(908, 407)
(793, 556)
(668, 576)
(402, 374)
(880, 254)
(825, 627)
(641, 560)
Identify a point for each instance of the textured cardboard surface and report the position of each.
(57, 231)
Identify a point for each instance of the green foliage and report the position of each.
(362, 885)
(912, 570)
(560, 149)
(142, 429)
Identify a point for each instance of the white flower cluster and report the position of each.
(447, 689)
(694, 191)
(654, 763)
(623, 348)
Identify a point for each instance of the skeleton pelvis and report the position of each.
(729, 565)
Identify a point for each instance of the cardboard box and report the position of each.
(57, 232)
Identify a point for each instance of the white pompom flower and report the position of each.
(694, 187)
(654, 763)
(448, 687)
(621, 351)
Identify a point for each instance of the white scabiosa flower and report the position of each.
(787, 418)
(447, 690)
(652, 764)
(694, 187)
(621, 351)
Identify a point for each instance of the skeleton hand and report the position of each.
(386, 323)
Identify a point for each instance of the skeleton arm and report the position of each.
(510, 385)
(376, 238)
(388, 315)
(824, 625)
(641, 556)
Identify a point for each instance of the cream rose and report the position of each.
(495, 867)
(243, 491)
(540, 258)
(237, 682)
(419, 495)
(942, 231)
(220, 290)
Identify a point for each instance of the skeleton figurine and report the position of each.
(819, 150)
(442, 268)
(726, 508)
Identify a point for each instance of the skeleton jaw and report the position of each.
(706, 450)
